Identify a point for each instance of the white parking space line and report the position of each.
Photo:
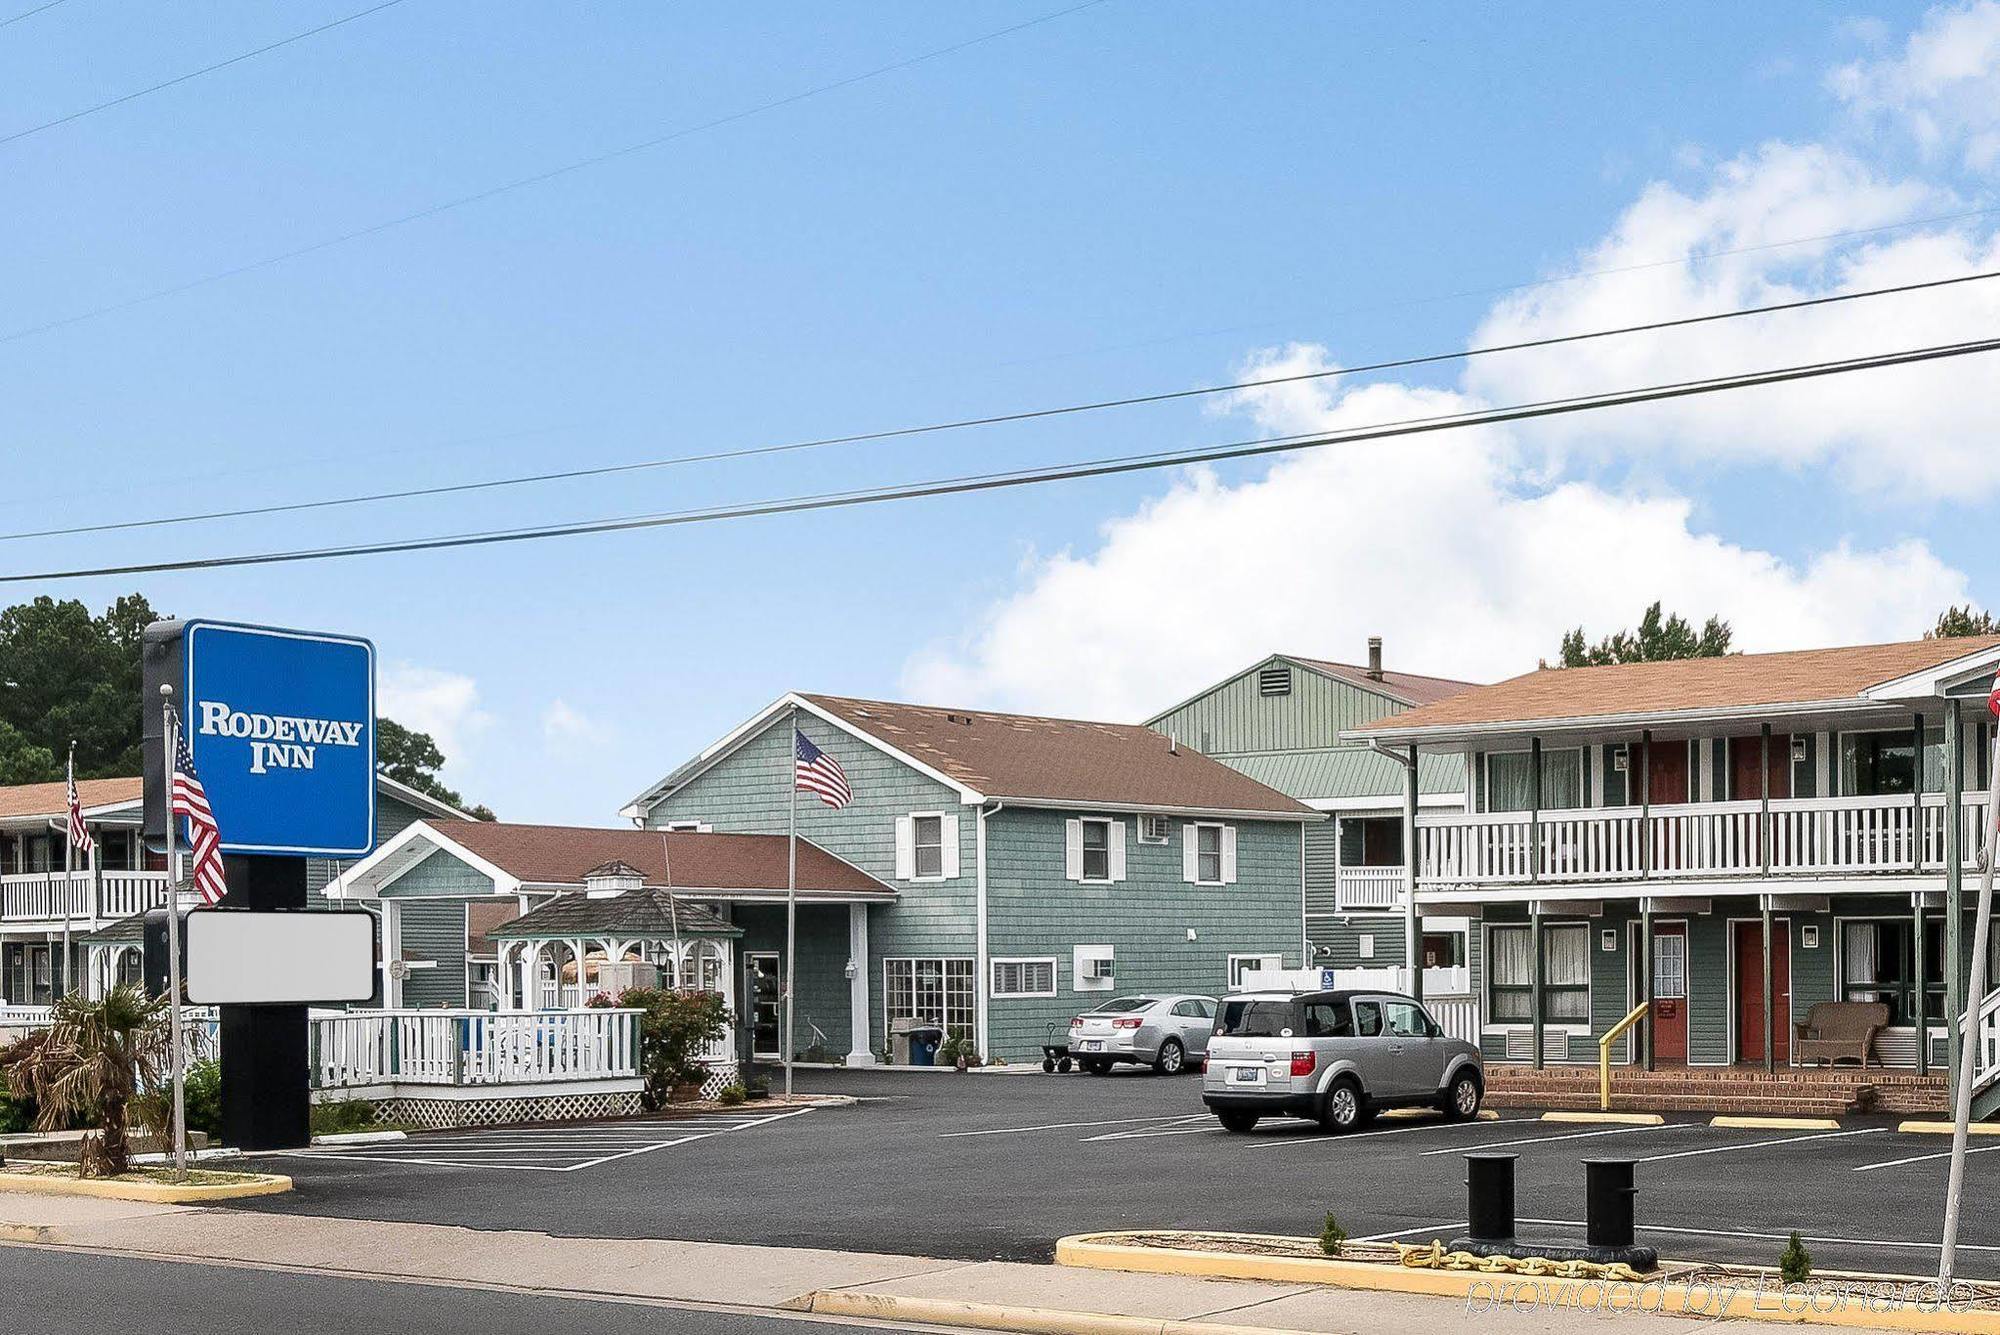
(1543, 1140)
(1440, 1230)
(1828, 1239)
(1059, 1126)
(1352, 1136)
(1922, 1158)
(547, 1149)
(1180, 1126)
(1760, 1144)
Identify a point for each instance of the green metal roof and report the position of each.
(1347, 772)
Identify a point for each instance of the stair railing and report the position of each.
(1612, 1035)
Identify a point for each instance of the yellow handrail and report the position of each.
(1604, 1052)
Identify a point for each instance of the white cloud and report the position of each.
(432, 700)
(564, 725)
(1943, 87)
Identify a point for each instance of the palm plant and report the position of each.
(91, 1063)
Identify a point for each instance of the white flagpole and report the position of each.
(176, 1062)
(791, 891)
(1968, 1044)
(673, 912)
(69, 867)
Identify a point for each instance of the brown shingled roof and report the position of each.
(52, 799)
(1408, 687)
(1031, 758)
(561, 854)
(1737, 681)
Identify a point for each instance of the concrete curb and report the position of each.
(1776, 1123)
(998, 1316)
(1430, 1115)
(1711, 1300)
(156, 1193)
(360, 1137)
(1931, 1128)
(1615, 1118)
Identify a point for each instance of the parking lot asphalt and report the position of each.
(988, 1167)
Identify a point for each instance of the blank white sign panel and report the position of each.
(249, 958)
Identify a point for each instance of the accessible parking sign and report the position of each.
(281, 724)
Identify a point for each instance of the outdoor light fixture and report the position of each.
(1190, 933)
(1620, 759)
(1798, 750)
(850, 970)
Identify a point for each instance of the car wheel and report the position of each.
(1172, 1057)
(1343, 1109)
(1238, 1122)
(1461, 1101)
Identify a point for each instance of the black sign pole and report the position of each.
(266, 1083)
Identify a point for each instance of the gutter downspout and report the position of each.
(984, 983)
(1412, 923)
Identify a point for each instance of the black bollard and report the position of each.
(1608, 1202)
(1489, 1197)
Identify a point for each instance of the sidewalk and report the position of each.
(990, 1295)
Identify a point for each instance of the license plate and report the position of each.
(1092, 1045)
(1247, 1075)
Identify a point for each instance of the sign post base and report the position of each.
(266, 1081)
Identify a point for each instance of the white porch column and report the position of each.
(392, 950)
(859, 1052)
(531, 976)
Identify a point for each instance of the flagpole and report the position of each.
(791, 893)
(1969, 1044)
(673, 912)
(176, 1060)
(69, 868)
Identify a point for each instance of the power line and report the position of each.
(29, 13)
(1025, 415)
(1063, 473)
(538, 178)
(193, 74)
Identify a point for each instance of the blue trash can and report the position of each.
(924, 1045)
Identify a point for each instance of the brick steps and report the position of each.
(1738, 1090)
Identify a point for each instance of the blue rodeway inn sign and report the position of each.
(282, 726)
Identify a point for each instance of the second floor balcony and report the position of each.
(1822, 837)
(79, 897)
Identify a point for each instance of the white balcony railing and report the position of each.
(441, 1047)
(1369, 887)
(1806, 836)
(52, 896)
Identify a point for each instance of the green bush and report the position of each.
(203, 1098)
(1333, 1237)
(16, 1115)
(674, 1028)
(955, 1046)
(347, 1115)
(1795, 1262)
(731, 1095)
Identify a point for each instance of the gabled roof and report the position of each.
(1034, 759)
(52, 799)
(1407, 688)
(650, 913)
(543, 857)
(1682, 688)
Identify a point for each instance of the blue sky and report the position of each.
(1121, 199)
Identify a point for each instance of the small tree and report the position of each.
(674, 1027)
(1795, 1262)
(92, 1061)
(1333, 1237)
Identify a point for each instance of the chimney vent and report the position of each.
(1375, 657)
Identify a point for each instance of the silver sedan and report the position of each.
(1165, 1032)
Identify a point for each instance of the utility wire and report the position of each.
(178, 79)
(1025, 415)
(29, 13)
(1062, 473)
(523, 182)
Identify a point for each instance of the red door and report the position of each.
(1750, 991)
(1670, 974)
(1668, 773)
(1745, 752)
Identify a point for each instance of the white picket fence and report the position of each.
(438, 1047)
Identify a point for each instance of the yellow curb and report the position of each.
(1430, 1115)
(1776, 1123)
(999, 1316)
(1945, 1128)
(1713, 1299)
(159, 1193)
(1621, 1119)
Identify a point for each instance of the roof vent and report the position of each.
(611, 880)
(1375, 657)
(1274, 680)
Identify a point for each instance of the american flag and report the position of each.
(79, 835)
(819, 773)
(204, 840)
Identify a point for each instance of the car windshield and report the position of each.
(1122, 1004)
(1255, 1019)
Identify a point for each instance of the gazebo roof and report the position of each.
(649, 913)
(125, 932)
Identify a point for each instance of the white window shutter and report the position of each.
(948, 831)
(906, 847)
(1073, 849)
(1190, 852)
(1116, 849)
(1229, 855)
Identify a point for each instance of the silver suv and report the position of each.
(1335, 1057)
